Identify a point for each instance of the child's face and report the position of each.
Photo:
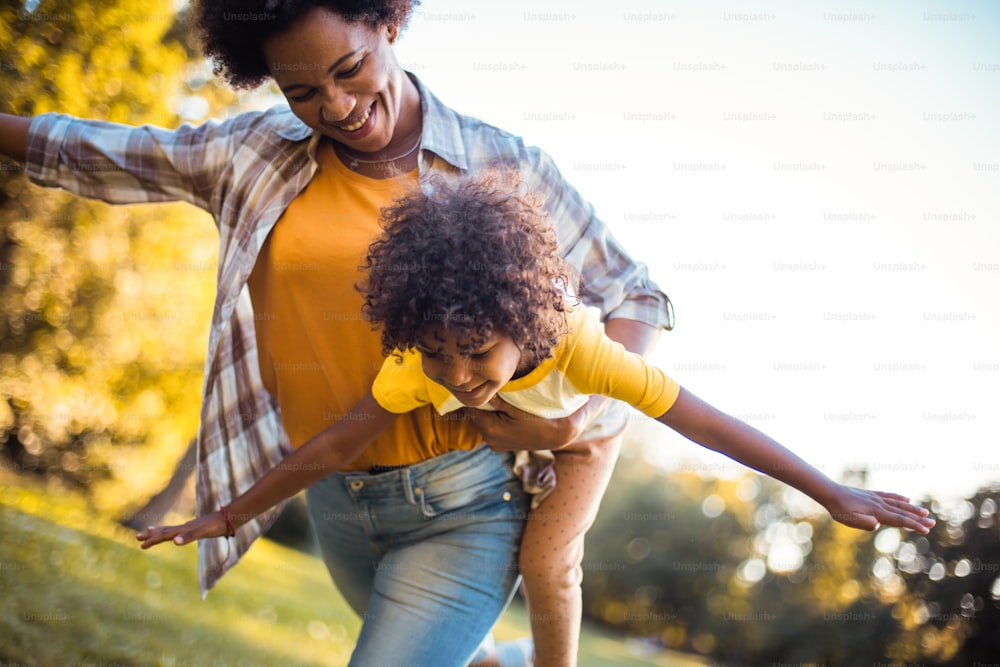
(473, 378)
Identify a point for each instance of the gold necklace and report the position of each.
(356, 161)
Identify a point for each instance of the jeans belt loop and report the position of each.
(408, 487)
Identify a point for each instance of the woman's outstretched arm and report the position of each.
(14, 136)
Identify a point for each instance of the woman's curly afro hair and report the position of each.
(233, 32)
(475, 256)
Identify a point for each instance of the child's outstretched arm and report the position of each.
(858, 508)
(323, 454)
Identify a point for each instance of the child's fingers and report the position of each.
(870, 510)
(858, 519)
(904, 515)
(892, 496)
(184, 538)
(192, 531)
(151, 538)
(156, 534)
(908, 522)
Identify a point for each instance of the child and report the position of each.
(475, 309)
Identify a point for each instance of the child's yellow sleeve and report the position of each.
(599, 365)
(401, 387)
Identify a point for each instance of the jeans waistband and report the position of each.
(379, 469)
(478, 462)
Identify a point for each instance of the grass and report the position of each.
(77, 591)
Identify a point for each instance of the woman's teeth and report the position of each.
(357, 126)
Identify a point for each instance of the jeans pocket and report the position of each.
(499, 498)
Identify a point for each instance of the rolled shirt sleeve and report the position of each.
(123, 164)
(611, 280)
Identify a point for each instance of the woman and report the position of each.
(296, 194)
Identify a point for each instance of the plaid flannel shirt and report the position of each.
(245, 171)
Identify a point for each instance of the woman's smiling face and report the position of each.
(342, 79)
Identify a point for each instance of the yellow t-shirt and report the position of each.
(317, 354)
(584, 362)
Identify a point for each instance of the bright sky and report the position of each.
(816, 185)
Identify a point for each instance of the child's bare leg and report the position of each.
(552, 548)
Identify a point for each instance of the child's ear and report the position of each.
(527, 360)
(393, 32)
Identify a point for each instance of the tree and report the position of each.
(949, 607)
(105, 308)
(752, 572)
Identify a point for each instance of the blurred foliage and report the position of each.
(749, 572)
(105, 309)
(948, 611)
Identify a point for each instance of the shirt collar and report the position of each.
(442, 134)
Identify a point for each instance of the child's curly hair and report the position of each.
(474, 256)
(233, 32)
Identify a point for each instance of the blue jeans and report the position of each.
(426, 555)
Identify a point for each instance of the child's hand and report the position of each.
(210, 525)
(870, 510)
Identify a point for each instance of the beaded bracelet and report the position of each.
(230, 532)
(230, 528)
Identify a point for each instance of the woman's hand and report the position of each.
(14, 136)
(509, 429)
(870, 510)
(210, 525)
